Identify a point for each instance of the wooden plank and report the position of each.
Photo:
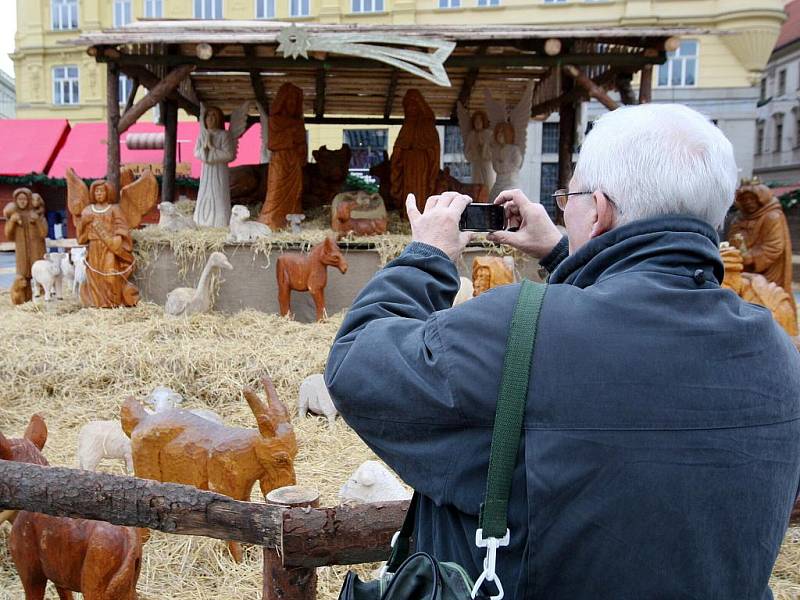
(149, 80)
(646, 85)
(391, 92)
(155, 95)
(255, 82)
(466, 87)
(131, 95)
(319, 96)
(594, 90)
(112, 148)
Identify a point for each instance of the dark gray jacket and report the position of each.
(661, 445)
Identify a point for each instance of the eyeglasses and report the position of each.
(562, 197)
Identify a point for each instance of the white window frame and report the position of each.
(367, 6)
(125, 87)
(675, 58)
(62, 11)
(213, 15)
(299, 8)
(153, 9)
(69, 84)
(267, 7)
(123, 12)
(448, 4)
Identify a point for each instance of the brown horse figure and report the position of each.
(308, 273)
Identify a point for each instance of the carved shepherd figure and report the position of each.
(181, 447)
(27, 228)
(308, 273)
(99, 560)
(105, 226)
(288, 156)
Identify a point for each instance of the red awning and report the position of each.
(30, 145)
(85, 149)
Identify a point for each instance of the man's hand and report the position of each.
(537, 235)
(438, 224)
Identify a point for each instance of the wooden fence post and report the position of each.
(289, 583)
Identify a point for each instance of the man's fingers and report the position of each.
(432, 201)
(460, 202)
(411, 208)
(446, 198)
(465, 237)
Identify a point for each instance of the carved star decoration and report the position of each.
(294, 41)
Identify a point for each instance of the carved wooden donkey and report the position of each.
(100, 560)
(181, 447)
(308, 273)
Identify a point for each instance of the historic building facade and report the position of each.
(8, 97)
(716, 73)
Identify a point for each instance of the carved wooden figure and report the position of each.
(288, 156)
(181, 447)
(308, 273)
(359, 212)
(476, 132)
(27, 228)
(415, 157)
(489, 272)
(105, 226)
(99, 560)
(762, 235)
(325, 177)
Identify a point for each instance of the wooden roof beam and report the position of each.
(150, 80)
(255, 81)
(391, 93)
(466, 87)
(158, 93)
(578, 94)
(594, 90)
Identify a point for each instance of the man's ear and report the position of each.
(604, 214)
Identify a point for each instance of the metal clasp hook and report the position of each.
(490, 562)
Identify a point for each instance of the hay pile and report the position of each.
(75, 365)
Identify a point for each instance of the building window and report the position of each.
(782, 82)
(65, 14)
(547, 187)
(763, 95)
(554, 2)
(778, 134)
(207, 9)
(550, 138)
(760, 139)
(122, 12)
(65, 85)
(265, 9)
(488, 2)
(680, 70)
(153, 9)
(365, 6)
(454, 159)
(449, 3)
(299, 8)
(367, 147)
(125, 87)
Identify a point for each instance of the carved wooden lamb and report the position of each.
(372, 482)
(100, 560)
(180, 447)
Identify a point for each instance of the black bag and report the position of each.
(422, 577)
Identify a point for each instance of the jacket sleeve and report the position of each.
(387, 371)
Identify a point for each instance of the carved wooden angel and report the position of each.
(105, 226)
(477, 136)
(510, 130)
(216, 147)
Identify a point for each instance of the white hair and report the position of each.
(659, 159)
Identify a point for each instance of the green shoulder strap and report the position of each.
(511, 403)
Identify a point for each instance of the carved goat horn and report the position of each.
(277, 409)
(265, 425)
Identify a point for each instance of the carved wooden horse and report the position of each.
(308, 273)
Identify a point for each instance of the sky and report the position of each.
(8, 26)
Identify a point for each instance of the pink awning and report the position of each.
(30, 145)
(85, 149)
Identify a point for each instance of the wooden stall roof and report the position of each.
(247, 64)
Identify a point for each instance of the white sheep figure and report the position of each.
(242, 229)
(67, 271)
(294, 221)
(171, 219)
(78, 256)
(372, 482)
(465, 291)
(46, 275)
(103, 439)
(163, 398)
(314, 397)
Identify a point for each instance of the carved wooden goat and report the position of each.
(180, 447)
(100, 560)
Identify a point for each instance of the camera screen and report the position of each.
(482, 217)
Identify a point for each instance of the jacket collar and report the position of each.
(676, 244)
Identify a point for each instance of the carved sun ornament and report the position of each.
(427, 62)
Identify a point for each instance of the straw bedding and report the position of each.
(74, 365)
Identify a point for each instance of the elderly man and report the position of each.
(660, 455)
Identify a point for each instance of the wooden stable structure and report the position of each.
(358, 74)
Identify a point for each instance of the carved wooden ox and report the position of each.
(100, 560)
(180, 447)
(308, 273)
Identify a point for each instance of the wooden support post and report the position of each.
(319, 99)
(390, 94)
(131, 96)
(595, 91)
(170, 151)
(566, 138)
(646, 85)
(623, 83)
(155, 95)
(289, 583)
(112, 93)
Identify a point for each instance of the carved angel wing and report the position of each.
(126, 177)
(496, 109)
(239, 120)
(138, 198)
(464, 120)
(520, 116)
(77, 195)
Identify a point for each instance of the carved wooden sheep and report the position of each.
(98, 440)
(46, 275)
(78, 256)
(372, 482)
(163, 398)
(180, 447)
(67, 271)
(170, 218)
(242, 229)
(314, 397)
(100, 560)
